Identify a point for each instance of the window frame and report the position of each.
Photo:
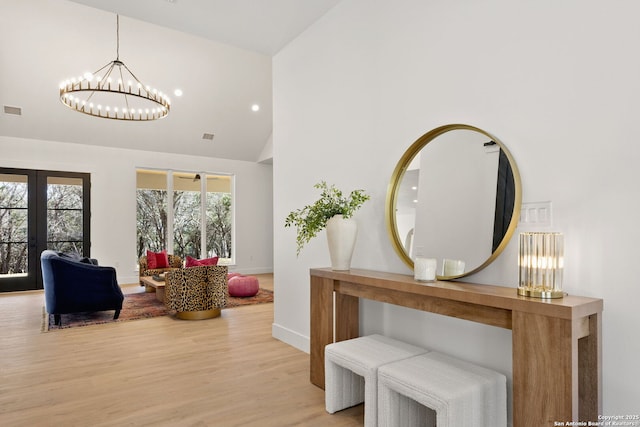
(170, 189)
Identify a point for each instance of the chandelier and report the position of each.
(114, 92)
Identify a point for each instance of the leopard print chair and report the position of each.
(197, 292)
(174, 262)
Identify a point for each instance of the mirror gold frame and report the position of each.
(398, 174)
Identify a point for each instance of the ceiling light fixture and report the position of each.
(97, 94)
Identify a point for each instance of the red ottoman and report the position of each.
(243, 286)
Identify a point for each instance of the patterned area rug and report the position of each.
(136, 306)
(263, 295)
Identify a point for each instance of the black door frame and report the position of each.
(37, 223)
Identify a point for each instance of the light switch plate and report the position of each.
(536, 214)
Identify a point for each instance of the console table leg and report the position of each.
(545, 370)
(321, 327)
(590, 370)
(347, 317)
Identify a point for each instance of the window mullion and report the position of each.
(203, 215)
(170, 231)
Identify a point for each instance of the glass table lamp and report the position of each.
(540, 264)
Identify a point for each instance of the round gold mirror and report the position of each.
(455, 196)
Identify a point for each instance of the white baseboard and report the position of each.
(249, 271)
(290, 337)
(128, 280)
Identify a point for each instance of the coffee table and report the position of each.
(151, 285)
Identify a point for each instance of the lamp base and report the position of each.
(540, 293)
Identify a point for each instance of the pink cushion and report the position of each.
(192, 262)
(230, 275)
(243, 286)
(157, 260)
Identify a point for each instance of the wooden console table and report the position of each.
(557, 344)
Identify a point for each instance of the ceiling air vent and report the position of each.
(208, 136)
(17, 111)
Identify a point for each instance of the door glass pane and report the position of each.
(151, 200)
(186, 214)
(219, 217)
(13, 225)
(64, 214)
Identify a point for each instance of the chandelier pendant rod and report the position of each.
(118, 38)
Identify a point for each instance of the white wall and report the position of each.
(113, 202)
(557, 82)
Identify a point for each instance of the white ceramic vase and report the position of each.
(341, 236)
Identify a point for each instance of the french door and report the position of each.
(40, 210)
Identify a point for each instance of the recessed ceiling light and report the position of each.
(255, 107)
(177, 92)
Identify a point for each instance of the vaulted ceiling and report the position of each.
(217, 52)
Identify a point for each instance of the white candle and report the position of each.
(424, 269)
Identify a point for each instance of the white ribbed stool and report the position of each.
(351, 372)
(437, 389)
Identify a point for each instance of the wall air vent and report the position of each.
(17, 111)
(208, 136)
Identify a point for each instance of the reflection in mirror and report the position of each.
(455, 195)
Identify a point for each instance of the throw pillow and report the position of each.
(192, 262)
(74, 256)
(157, 260)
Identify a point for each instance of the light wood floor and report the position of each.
(219, 372)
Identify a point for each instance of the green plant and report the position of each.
(312, 219)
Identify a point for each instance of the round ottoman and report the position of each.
(243, 286)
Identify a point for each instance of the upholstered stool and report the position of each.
(243, 286)
(351, 371)
(435, 389)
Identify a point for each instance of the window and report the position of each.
(151, 199)
(65, 214)
(197, 220)
(13, 224)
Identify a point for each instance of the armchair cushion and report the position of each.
(157, 259)
(74, 256)
(192, 262)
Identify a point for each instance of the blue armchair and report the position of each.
(74, 284)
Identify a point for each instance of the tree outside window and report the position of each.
(13, 226)
(64, 215)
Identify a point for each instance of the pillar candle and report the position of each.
(424, 269)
